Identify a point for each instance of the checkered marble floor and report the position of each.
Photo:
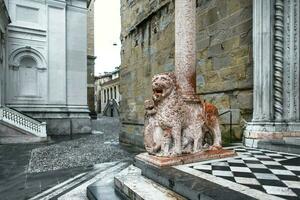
(273, 173)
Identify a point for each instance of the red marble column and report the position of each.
(185, 47)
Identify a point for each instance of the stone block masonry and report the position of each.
(224, 58)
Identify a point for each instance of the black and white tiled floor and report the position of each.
(274, 173)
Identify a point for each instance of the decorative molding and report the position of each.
(14, 67)
(287, 64)
(18, 54)
(278, 59)
(296, 60)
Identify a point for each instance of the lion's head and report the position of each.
(162, 85)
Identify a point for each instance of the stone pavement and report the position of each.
(252, 174)
(258, 173)
(17, 183)
(29, 169)
(76, 188)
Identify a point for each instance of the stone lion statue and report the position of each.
(172, 126)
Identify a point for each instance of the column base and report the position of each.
(269, 131)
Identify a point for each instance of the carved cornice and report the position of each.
(278, 58)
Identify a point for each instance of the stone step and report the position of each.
(103, 187)
(292, 140)
(130, 184)
(288, 145)
(187, 185)
(76, 188)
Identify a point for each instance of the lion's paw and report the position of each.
(215, 147)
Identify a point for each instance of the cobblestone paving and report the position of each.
(84, 151)
(80, 152)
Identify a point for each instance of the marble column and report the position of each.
(276, 71)
(185, 47)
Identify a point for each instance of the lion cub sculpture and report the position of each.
(174, 127)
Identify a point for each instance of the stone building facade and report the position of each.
(107, 89)
(4, 20)
(44, 75)
(224, 59)
(90, 57)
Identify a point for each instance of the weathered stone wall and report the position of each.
(224, 59)
(90, 28)
(90, 57)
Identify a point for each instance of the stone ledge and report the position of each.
(187, 185)
(23, 140)
(184, 159)
(130, 184)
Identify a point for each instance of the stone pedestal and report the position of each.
(183, 159)
(276, 103)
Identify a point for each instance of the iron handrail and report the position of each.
(230, 120)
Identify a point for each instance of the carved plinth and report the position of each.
(184, 158)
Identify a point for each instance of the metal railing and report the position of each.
(230, 122)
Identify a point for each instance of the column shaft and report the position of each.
(185, 46)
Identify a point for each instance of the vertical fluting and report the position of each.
(185, 46)
(278, 59)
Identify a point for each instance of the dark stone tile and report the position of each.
(237, 165)
(296, 191)
(256, 187)
(228, 178)
(205, 171)
(222, 168)
(258, 153)
(252, 161)
(288, 178)
(275, 167)
(288, 197)
(296, 172)
(271, 182)
(243, 174)
(258, 170)
(294, 161)
(266, 159)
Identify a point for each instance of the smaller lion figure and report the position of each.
(211, 119)
(155, 138)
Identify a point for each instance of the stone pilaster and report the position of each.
(4, 21)
(276, 71)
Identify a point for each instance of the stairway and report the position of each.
(16, 127)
